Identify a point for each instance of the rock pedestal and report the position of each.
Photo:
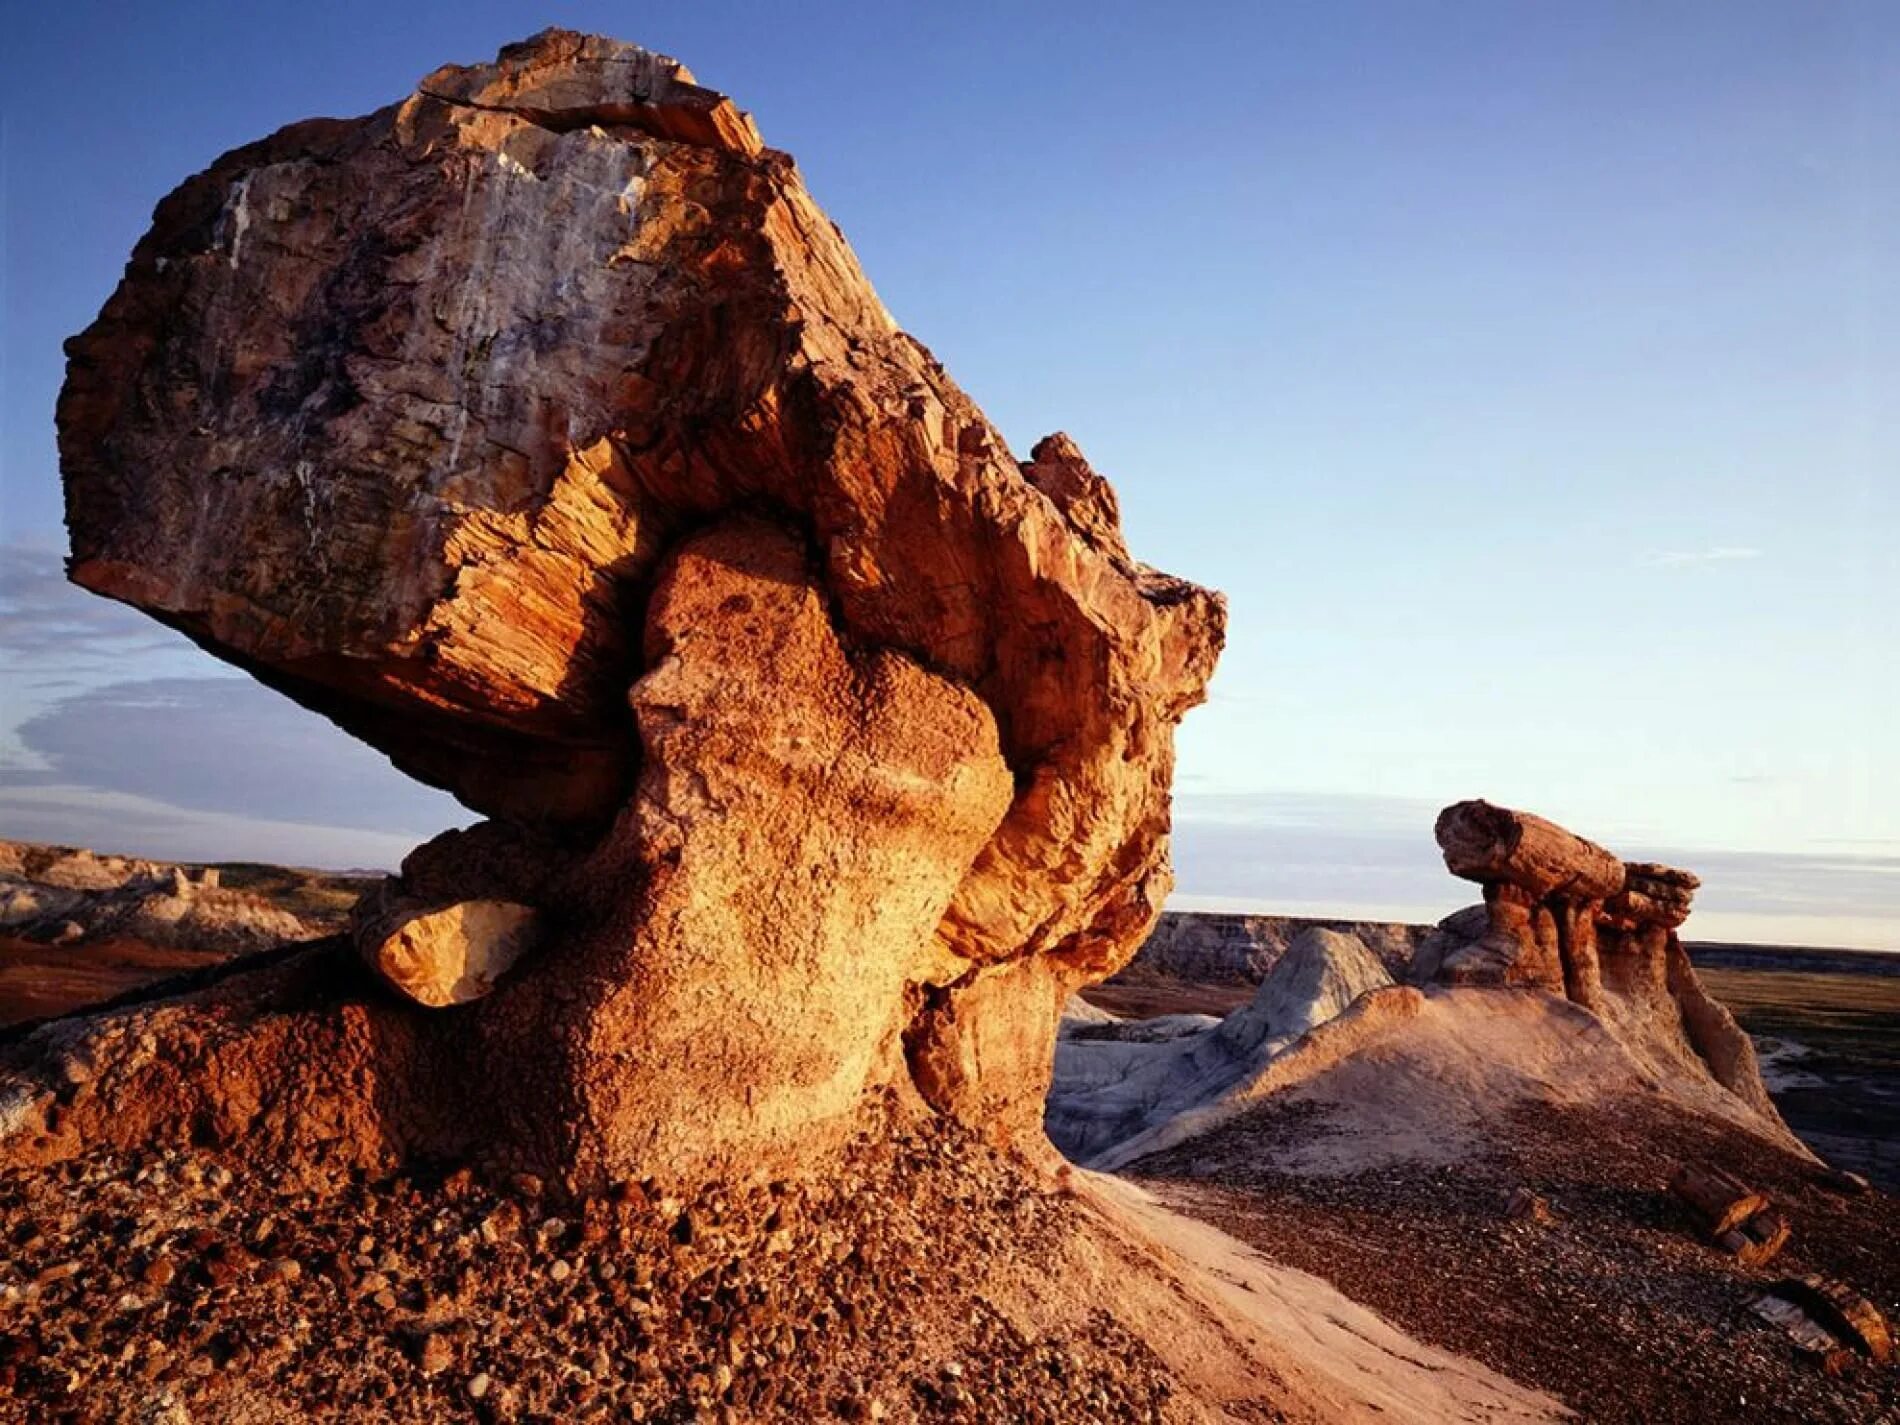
(1562, 914)
(540, 430)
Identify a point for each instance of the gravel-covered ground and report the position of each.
(1616, 1306)
(181, 1288)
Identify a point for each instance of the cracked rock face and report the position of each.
(541, 431)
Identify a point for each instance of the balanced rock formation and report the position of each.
(541, 431)
(1562, 914)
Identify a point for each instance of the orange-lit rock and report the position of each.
(1564, 915)
(423, 418)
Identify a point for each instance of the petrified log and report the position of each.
(1843, 1311)
(1652, 894)
(1721, 1201)
(1843, 1182)
(1487, 843)
(1757, 1241)
(1813, 1340)
(540, 430)
(449, 954)
(1523, 1205)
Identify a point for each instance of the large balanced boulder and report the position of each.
(1565, 915)
(540, 430)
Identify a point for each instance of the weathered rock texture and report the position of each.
(1117, 1082)
(541, 431)
(1562, 914)
(1213, 947)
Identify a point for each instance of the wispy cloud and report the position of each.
(48, 624)
(137, 826)
(1374, 857)
(214, 755)
(1715, 554)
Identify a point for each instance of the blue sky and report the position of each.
(1525, 374)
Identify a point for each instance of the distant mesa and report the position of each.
(78, 928)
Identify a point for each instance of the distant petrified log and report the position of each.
(1843, 1311)
(1757, 1241)
(1563, 914)
(1493, 844)
(541, 431)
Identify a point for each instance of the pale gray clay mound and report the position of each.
(1107, 1090)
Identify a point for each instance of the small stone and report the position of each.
(478, 1385)
(560, 1270)
(436, 1354)
(1526, 1206)
(159, 1272)
(385, 1299)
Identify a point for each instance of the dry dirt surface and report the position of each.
(1616, 1307)
(1134, 995)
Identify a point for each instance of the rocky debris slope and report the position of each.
(1562, 914)
(1114, 1083)
(1611, 1302)
(541, 430)
(167, 1286)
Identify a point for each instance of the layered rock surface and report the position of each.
(540, 430)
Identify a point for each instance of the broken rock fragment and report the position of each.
(450, 954)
